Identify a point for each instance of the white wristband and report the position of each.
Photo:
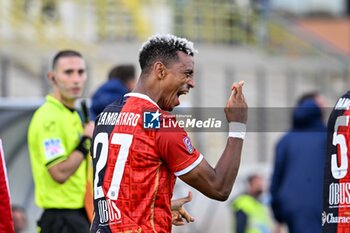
(237, 130)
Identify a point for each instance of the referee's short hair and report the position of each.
(64, 53)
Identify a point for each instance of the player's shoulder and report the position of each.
(141, 104)
(347, 94)
(112, 108)
(116, 105)
(343, 103)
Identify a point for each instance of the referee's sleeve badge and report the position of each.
(53, 148)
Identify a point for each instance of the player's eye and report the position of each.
(188, 74)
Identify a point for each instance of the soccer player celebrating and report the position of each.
(135, 167)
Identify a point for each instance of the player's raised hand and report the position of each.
(236, 109)
(178, 211)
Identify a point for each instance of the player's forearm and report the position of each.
(216, 183)
(227, 167)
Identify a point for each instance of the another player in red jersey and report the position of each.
(336, 195)
(136, 161)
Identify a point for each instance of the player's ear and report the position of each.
(160, 70)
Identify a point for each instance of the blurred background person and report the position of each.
(121, 80)
(19, 218)
(59, 144)
(297, 179)
(251, 214)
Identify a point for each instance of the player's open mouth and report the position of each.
(181, 93)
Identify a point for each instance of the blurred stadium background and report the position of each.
(280, 48)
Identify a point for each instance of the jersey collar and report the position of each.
(50, 98)
(141, 96)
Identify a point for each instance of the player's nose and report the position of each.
(191, 83)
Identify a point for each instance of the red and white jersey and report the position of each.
(136, 162)
(6, 221)
(336, 204)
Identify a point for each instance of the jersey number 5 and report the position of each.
(339, 172)
(124, 140)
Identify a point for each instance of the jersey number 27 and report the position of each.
(124, 140)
